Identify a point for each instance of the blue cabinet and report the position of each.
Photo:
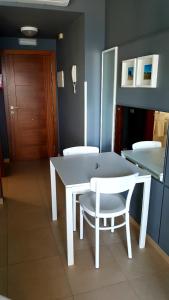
(166, 168)
(136, 203)
(155, 206)
(164, 229)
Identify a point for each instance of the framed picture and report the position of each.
(128, 73)
(147, 69)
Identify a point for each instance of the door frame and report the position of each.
(115, 51)
(52, 107)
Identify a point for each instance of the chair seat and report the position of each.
(109, 204)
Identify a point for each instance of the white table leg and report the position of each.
(69, 227)
(53, 191)
(144, 214)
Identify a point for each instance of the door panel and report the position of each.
(37, 120)
(154, 216)
(30, 95)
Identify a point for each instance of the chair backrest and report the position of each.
(115, 185)
(146, 145)
(80, 150)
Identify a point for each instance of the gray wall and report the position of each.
(12, 43)
(143, 30)
(131, 19)
(94, 12)
(155, 98)
(71, 106)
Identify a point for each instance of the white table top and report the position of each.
(79, 169)
(149, 159)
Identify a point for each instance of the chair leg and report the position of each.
(74, 212)
(128, 236)
(105, 222)
(112, 224)
(81, 223)
(96, 243)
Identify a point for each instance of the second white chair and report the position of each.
(77, 151)
(106, 201)
(146, 145)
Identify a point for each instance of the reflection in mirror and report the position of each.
(135, 125)
(161, 120)
(138, 124)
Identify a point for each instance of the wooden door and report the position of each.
(1, 172)
(30, 104)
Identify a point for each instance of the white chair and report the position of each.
(80, 150)
(105, 201)
(146, 145)
(77, 151)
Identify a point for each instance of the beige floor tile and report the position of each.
(31, 244)
(39, 280)
(106, 237)
(3, 281)
(84, 277)
(152, 287)
(118, 291)
(27, 217)
(3, 250)
(144, 261)
(34, 239)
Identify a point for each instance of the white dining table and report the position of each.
(75, 172)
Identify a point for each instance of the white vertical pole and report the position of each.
(85, 113)
(101, 109)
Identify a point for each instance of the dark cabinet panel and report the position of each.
(166, 169)
(154, 217)
(136, 203)
(166, 162)
(164, 230)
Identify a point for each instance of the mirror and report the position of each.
(108, 99)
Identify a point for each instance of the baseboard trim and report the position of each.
(151, 242)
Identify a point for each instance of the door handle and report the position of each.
(14, 107)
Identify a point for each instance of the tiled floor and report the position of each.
(32, 250)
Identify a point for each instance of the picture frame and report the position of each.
(128, 78)
(147, 70)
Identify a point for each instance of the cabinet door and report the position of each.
(164, 230)
(166, 169)
(154, 216)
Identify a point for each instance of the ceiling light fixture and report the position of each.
(29, 31)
